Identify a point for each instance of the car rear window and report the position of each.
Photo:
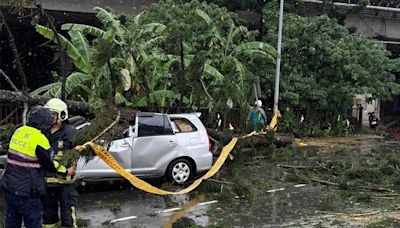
(154, 125)
(183, 125)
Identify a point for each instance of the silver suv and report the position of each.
(175, 146)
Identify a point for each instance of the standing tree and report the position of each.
(216, 51)
(324, 66)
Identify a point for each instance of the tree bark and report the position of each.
(79, 108)
(181, 82)
(14, 49)
(18, 63)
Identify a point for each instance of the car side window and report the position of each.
(183, 125)
(154, 125)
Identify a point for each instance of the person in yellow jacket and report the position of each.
(23, 181)
(61, 194)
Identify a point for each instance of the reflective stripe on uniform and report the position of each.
(54, 225)
(23, 164)
(24, 156)
(55, 180)
(73, 215)
(60, 168)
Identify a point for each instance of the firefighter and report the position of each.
(61, 194)
(28, 156)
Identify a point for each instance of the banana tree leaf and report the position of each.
(118, 63)
(208, 20)
(107, 17)
(152, 28)
(241, 72)
(257, 46)
(44, 88)
(71, 50)
(264, 54)
(213, 72)
(152, 42)
(120, 99)
(135, 21)
(204, 15)
(74, 81)
(158, 96)
(86, 29)
(82, 44)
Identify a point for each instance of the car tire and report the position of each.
(180, 171)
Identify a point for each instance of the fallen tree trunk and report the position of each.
(6, 96)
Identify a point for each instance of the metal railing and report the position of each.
(10, 113)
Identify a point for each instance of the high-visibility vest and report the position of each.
(23, 145)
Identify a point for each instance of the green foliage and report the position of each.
(191, 54)
(324, 66)
(106, 67)
(185, 222)
(314, 126)
(216, 49)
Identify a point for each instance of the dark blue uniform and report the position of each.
(60, 194)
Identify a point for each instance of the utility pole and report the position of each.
(278, 59)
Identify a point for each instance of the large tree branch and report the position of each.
(9, 80)
(75, 107)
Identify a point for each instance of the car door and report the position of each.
(154, 145)
(97, 169)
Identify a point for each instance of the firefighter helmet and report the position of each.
(58, 106)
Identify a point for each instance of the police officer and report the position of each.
(28, 156)
(61, 194)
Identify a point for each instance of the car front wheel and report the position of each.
(180, 171)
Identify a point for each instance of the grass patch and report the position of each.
(331, 202)
(185, 223)
(115, 208)
(227, 197)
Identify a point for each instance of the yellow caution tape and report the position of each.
(274, 121)
(140, 184)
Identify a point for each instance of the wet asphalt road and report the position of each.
(100, 205)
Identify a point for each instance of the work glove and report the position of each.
(84, 147)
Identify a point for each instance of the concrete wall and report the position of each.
(370, 26)
(131, 7)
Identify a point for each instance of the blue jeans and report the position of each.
(26, 208)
